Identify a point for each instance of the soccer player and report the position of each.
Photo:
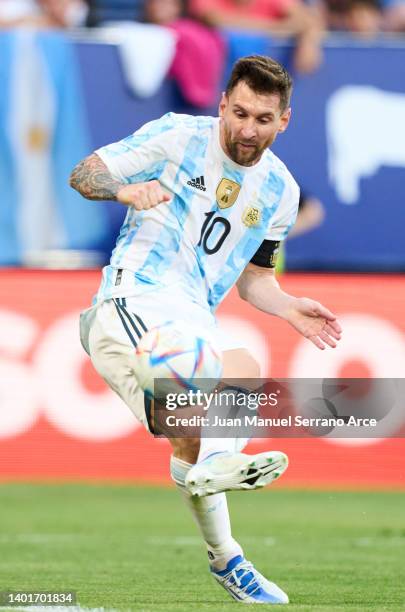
(208, 204)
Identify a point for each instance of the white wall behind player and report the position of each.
(365, 128)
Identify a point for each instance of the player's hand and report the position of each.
(314, 322)
(143, 196)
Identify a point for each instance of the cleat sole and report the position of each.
(264, 469)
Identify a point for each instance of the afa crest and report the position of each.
(227, 193)
(251, 216)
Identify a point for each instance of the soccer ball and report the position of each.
(179, 357)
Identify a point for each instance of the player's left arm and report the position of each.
(259, 286)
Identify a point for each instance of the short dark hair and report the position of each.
(264, 75)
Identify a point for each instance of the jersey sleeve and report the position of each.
(286, 213)
(129, 159)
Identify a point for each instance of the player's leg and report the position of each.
(211, 515)
(106, 339)
(226, 559)
(109, 334)
(211, 512)
(237, 364)
(109, 338)
(219, 463)
(111, 349)
(221, 466)
(227, 563)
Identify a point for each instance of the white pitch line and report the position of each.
(197, 541)
(38, 538)
(380, 541)
(176, 541)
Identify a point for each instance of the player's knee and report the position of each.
(239, 363)
(186, 449)
(254, 368)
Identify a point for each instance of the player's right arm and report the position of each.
(93, 180)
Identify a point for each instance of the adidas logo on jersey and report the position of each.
(198, 183)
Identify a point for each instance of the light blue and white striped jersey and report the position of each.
(196, 246)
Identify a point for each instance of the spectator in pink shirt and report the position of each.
(291, 17)
(200, 54)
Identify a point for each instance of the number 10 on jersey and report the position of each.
(207, 229)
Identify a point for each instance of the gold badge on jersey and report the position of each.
(251, 216)
(227, 193)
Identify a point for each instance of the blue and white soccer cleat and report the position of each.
(245, 584)
(235, 472)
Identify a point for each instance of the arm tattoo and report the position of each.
(92, 179)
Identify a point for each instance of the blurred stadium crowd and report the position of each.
(365, 17)
(305, 20)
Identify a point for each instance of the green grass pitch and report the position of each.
(136, 548)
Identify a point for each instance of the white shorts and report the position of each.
(109, 332)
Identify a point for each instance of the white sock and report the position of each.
(209, 445)
(212, 517)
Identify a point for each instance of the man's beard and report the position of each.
(242, 157)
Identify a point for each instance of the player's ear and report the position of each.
(223, 104)
(284, 120)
